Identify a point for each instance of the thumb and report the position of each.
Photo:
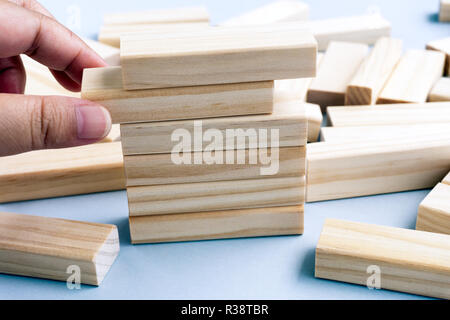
(34, 122)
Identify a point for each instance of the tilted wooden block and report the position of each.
(440, 91)
(56, 248)
(215, 196)
(444, 11)
(217, 56)
(434, 211)
(413, 78)
(442, 45)
(409, 261)
(374, 72)
(104, 85)
(217, 225)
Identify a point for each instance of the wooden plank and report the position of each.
(413, 78)
(353, 169)
(215, 196)
(442, 45)
(337, 68)
(434, 211)
(217, 225)
(440, 91)
(288, 118)
(46, 247)
(409, 261)
(104, 85)
(160, 169)
(55, 173)
(374, 72)
(444, 11)
(246, 55)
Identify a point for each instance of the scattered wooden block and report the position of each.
(104, 85)
(444, 11)
(47, 247)
(217, 225)
(434, 211)
(188, 59)
(410, 261)
(405, 85)
(442, 45)
(337, 68)
(440, 91)
(374, 72)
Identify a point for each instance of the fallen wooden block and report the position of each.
(434, 211)
(56, 248)
(409, 261)
(188, 59)
(442, 45)
(374, 72)
(104, 85)
(444, 11)
(413, 78)
(440, 91)
(337, 68)
(217, 225)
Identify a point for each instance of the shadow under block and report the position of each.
(44, 247)
(337, 68)
(217, 56)
(413, 78)
(409, 261)
(442, 45)
(440, 91)
(434, 211)
(215, 196)
(374, 72)
(217, 225)
(104, 86)
(62, 172)
(288, 118)
(444, 11)
(352, 169)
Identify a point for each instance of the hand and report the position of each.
(34, 122)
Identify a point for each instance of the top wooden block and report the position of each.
(217, 56)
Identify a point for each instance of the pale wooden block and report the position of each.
(374, 72)
(434, 211)
(215, 196)
(109, 53)
(413, 78)
(44, 247)
(114, 134)
(337, 68)
(217, 225)
(440, 91)
(444, 11)
(104, 85)
(409, 261)
(442, 45)
(315, 119)
(246, 54)
(160, 169)
(62, 172)
(352, 169)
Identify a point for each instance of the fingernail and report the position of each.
(93, 123)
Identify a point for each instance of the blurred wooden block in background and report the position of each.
(446, 179)
(444, 11)
(440, 91)
(434, 211)
(442, 45)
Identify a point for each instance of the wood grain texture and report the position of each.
(413, 78)
(217, 225)
(444, 11)
(190, 58)
(442, 45)
(45, 247)
(104, 85)
(374, 72)
(215, 196)
(440, 91)
(434, 211)
(410, 261)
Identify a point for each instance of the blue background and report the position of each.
(261, 268)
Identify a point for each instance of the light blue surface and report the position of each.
(261, 268)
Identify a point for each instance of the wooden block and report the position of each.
(413, 78)
(353, 169)
(114, 134)
(315, 119)
(109, 53)
(409, 261)
(215, 196)
(104, 85)
(446, 179)
(444, 11)
(434, 211)
(337, 68)
(46, 247)
(62, 172)
(288, 118)
(440, 91)
(442, 45)
(160, 169)
(374, 72)
(246, 55)
(217, 225)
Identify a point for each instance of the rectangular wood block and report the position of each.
(444, 11)
(104, 85)
(409, 261)
(434, 211)
(440, 91)
(44, 247)
(217, 225)
(442, 45)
